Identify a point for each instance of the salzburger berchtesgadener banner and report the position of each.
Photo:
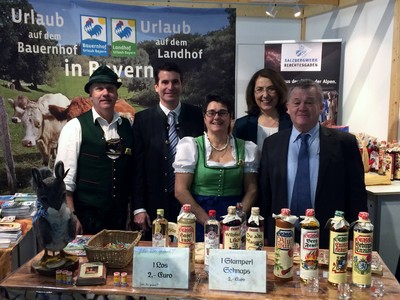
(317, 60)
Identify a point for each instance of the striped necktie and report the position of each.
(301, 198)
(173, 141)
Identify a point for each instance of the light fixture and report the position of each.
(296, 11)
(271, 11)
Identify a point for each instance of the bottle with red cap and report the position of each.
(362, 251)
(211, 236)
(187, 233)
(284, 243)
(309, 246)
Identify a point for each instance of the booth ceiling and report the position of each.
(254, 8)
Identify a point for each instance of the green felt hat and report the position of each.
(103, 74)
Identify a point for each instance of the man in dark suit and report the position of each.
(336, 170)
(151, 143)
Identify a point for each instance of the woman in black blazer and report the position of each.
(266, 108)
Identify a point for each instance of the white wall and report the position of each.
(251, 33)
(366, 31)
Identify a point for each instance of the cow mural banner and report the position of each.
(317, 60)
(48, 49)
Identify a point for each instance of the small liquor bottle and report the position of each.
(255, 230)
(160, 230)
(284, 243)
(338, 246)
(211, 236)
(362, 251)
(309, 246)
(187, 233)
(231, 238)
(242, 215)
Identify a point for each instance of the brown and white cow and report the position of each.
(41, 127)
(80, 105)
(19, 106)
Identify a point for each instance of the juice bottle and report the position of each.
(255, 230)
(231, 238)
(211, 236)
(362, 250)
(309, 246)
(338, 246)
(284, 243)
(187, 233)
(160, 230)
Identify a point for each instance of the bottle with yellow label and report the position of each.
(309, 246)
(231, 230)
(362, 251)
(338, 247)
(187, 233)
(160, 230)
(284, 243)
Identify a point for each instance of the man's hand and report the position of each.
(142, 221)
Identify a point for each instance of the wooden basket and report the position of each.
(114, 258)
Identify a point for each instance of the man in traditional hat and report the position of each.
(96, 148)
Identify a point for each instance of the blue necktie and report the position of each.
(173, 141)
(301, 198)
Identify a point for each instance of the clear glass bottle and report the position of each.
(211, 236)
(284, 244)
(231, 238)
(338, 247)
(187, 233)
(309, 246)
(243, 218)
(362, 251)
(160, 236)
(255, 230)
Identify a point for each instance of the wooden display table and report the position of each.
(26, 282)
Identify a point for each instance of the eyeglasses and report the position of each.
(212, 113)
(271, 90)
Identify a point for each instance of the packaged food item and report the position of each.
(338, 246)
(255, 230)
(187, 233)
(211, 236)
(362, 250)
(231, 230)
(160, 236)
(284, 244)
(309, 246)
(117, 278)
(124, 279)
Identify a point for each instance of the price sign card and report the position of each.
(238, 270)
(160, 267)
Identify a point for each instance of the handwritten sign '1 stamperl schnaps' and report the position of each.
(160, 267)
(238, 270)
